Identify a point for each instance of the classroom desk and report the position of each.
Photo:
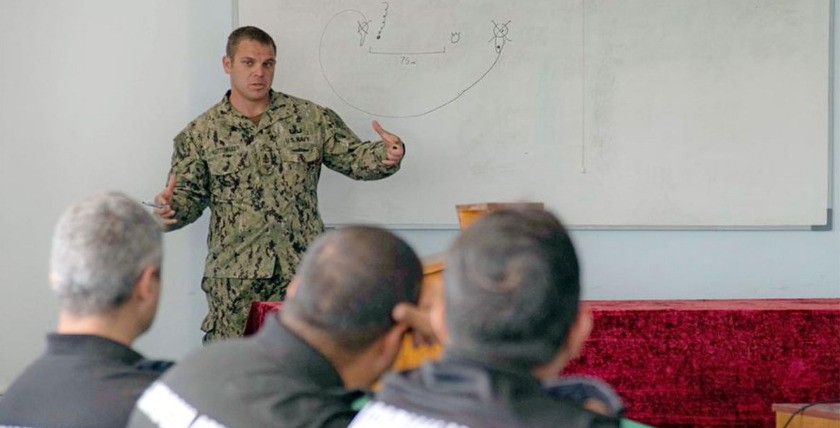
(804, 415)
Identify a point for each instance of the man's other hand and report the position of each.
(165, 213)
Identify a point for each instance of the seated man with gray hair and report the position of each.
(105, 270)
(309, 365)
(510, 321)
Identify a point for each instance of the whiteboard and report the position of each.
(632, 113)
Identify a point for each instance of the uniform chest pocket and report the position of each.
(228, 174)
(227, 163)
(300, 154)
(301, 167)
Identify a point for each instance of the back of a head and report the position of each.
(350, 280)
(512, 288)
(100, 247)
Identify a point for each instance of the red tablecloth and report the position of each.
(258, 312)
(715, 363)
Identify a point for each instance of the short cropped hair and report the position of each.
(350, 280)
(100, 247)
(512, 288)
(248, 33)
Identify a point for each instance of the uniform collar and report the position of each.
(279, 107)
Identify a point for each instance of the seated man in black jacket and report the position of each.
(511, 319)
(105, 269)
(306, 367)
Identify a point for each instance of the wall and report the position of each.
(93, 92)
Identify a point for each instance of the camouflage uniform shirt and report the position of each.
(260, 181)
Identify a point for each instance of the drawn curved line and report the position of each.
(335, 91)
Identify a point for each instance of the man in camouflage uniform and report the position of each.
(255, 159)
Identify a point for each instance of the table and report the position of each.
(825, 415)
(714, 363)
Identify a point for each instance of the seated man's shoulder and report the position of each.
(77, 392)
(197, 382)
(454, 395)
(230, 383)
(210, 364)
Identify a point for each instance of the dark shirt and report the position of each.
(272, 379)
(460, 393)
(81, 381)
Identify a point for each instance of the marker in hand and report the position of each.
(163, 203)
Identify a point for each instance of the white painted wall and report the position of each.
(92, 92)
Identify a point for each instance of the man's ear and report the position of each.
(227, 63)
(147, 288)
(579, 332)
(392, 341)
(375, 360)
(388, 347)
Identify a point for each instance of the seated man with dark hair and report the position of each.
(511, 319)
(105, 269)
(304, 368)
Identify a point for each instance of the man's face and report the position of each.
(251, 70)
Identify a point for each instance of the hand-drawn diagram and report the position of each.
(363, 31)
(384, 18)
(500, 33)
(413, 66)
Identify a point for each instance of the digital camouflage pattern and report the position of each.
(229, 300)
(260, 183)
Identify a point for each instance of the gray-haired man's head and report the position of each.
(100, 247)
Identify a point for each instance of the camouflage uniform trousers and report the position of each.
(229, 301)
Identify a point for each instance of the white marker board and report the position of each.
(632, 113)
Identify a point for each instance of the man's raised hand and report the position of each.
(418, 320)
(395, 146)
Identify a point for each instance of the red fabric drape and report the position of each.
(715, 363)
